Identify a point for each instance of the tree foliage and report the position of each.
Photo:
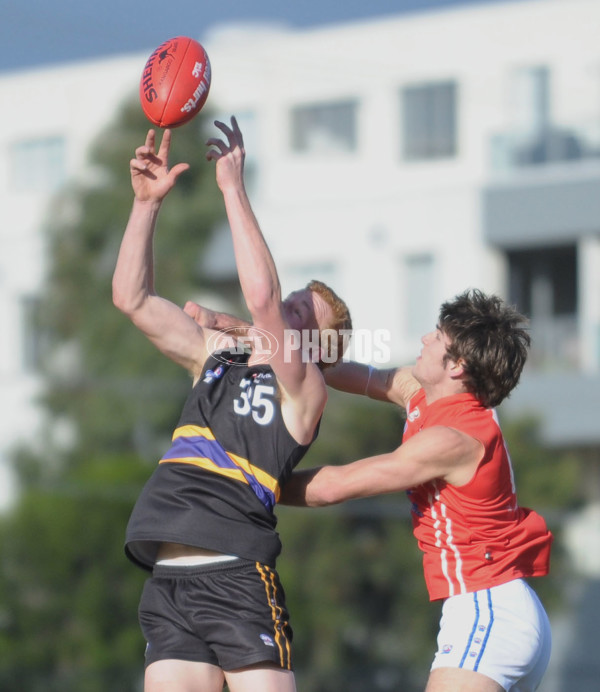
(68, 593)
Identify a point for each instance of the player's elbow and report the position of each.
(263, 309)
(122, 302)
(324, 489)
(119, 298)
(263, 297)
(126, 302)
(311, 488)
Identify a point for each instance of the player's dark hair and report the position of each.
(490, 339)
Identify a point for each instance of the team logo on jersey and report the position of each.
(267, 640)
(447, 648)
(414, 414)
(414, 507)
(211, 375)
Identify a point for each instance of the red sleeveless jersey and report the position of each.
(473, 536)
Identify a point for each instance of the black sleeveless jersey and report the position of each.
(217, 485)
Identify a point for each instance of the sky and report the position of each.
(36, 33)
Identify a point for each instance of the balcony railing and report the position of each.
(551, 145)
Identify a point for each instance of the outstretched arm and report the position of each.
(256, 268)
(302, 387)
(165, 324)
(437, 452)
(395, 385)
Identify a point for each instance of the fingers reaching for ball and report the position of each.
(150, 174)
(229, 155)
(151, 177)
(143, 152)
(234, 141)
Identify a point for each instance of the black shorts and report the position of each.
(231, 614)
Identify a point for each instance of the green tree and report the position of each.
(68, 594)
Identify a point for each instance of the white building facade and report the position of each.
(401, 160)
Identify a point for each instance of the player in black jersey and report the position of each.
(213, 611)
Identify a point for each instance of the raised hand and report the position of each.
(151, 177)
(229, 155)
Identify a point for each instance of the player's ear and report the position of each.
(456, 368)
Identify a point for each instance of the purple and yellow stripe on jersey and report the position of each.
(195, 445)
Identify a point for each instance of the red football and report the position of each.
(175, 82)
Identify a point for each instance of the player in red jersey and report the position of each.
(478, 544)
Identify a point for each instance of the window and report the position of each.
(543, 285)
(39, 165)
(324, 127)
(429, 121)
(543, 282)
